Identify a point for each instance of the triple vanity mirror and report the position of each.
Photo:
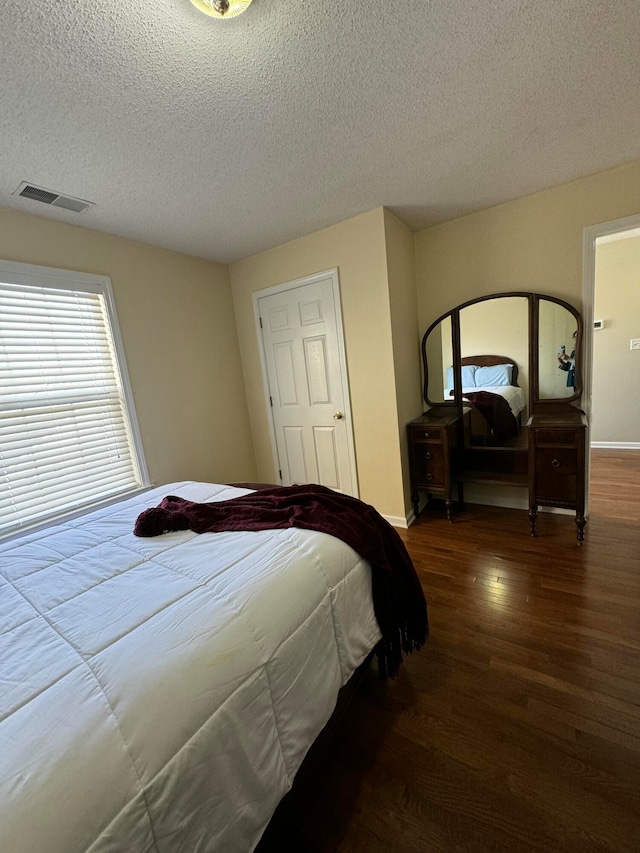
(501, 376)
(538, 336)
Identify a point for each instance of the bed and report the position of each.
(490, 388)
(160, 694)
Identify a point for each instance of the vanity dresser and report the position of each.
(557, 453)
(502, 383)
(435, 453)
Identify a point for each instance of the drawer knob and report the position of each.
(429, 476)
(555, 463)
(427, 455)
(426, 435)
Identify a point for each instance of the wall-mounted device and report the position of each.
(598, 324)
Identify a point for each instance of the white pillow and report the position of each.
(497, 374)
(468, 376)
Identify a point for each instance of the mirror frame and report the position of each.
(534, 299)
(455, 332)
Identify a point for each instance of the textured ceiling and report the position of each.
(223, 138)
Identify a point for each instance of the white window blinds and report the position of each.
(65, 432)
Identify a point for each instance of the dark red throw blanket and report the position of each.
(496, 411)
(398, 599)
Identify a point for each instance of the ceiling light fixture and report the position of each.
(222, 8)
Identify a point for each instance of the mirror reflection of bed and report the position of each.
(496, 387)
(495, 401)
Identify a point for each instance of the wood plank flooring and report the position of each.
(615, 484)
(517, 727)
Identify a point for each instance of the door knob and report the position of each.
(338, 416)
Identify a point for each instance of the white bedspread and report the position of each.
(160, 694)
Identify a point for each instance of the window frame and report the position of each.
(13, 272)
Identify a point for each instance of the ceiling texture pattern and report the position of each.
(224, 138)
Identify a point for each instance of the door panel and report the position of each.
(310, 311)
(279, 319)
(285, 374)
(308, 385)
(316, 364)
(327, 456)
(295, 455)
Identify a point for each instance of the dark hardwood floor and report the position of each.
(517, 727)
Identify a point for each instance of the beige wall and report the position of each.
(616, 368)
(357, 248)
(176, 319)
(403, 300)
(534, 243)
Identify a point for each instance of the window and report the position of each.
(68, 433)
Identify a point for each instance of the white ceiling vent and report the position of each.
(54, 199)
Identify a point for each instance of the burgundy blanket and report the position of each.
(398, 599)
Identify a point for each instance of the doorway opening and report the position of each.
(611, 296)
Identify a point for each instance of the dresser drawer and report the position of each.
(566, 437)
(556, 476)
(557, 491)
(428, 465)
(428, 434)
(556, 460)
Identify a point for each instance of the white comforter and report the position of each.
(160, 694)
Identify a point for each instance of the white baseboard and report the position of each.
(404, 523)
(615, 445)
(400, 521)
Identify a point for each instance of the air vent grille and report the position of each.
(67, 202)
(37, 194)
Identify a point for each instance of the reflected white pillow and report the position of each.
(468, 376)
(497, 374)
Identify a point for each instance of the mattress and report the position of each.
(160, 694)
